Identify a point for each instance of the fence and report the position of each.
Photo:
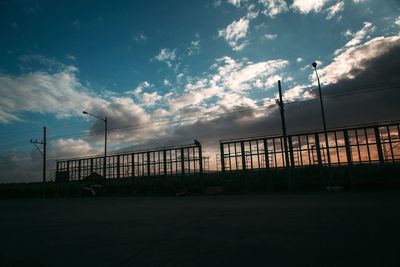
(372, 144)
(180, 160)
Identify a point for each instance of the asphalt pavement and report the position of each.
(316, 229)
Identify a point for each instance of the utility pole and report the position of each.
(44, 143)
(105, 148)
(328, 154)
(282, 111)
(105, 139)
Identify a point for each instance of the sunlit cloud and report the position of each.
(270, 36)
(353, 59)
(272, 8)
(166, 55)
(307, 6)
(357, 37)
(234, 2)
(335, 9)
(235, 34)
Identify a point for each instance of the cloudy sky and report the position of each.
(168, 72)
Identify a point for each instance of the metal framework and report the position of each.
(180, 160)
(368, 144)
(372, 144)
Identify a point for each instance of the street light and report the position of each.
(314, 64)
(105, 138)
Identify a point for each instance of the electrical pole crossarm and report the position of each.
(35, 144)
(44, 143)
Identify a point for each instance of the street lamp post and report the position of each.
(105, 139)
(314, 64)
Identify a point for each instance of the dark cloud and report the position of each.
(370, 97)
(122, 113)
(15, 168)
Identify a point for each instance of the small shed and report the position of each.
(94, 177)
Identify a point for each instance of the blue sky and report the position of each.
(170, 70)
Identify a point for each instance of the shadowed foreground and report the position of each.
(344, 229)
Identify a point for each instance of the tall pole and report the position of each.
(44, 161)
(105, 139)
(282, 111)
(44, 143)
(105, 147)
(314, 64)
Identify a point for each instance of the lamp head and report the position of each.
(84, 112)
(314, 64)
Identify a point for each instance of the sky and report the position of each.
(168, 72)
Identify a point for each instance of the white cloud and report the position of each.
(361, 34)
(194, 97)
(160, 113)
(272, 8)
(252, 14)
(260, 26)
(333, 10)
(294, 93)
(123, 113)
(166, 55)
(179, 77)
(150, 99)
(236, 3)
(140, 38)
(235, 32)
(59, 93)
(70, 57)
(194, 48)
(42, 63)
(231, 100)
(397, 21)
(232, 78)
(70, 147)
(144, 98)
(257, 75)
(319, 62)
(353, 58)
(166, 82)
(347, 33)
(270, 36)
(358, 37)
(139, 89)
(299, 59)
(307, 6)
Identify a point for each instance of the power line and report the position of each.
(365, 90)
(227, 111)
(43, 152)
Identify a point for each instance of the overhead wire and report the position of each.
(227, 111)
(85, 133)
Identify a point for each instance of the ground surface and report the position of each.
(343, 229)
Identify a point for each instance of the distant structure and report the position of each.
(372, 144)
(178, 160)
(367, 144)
